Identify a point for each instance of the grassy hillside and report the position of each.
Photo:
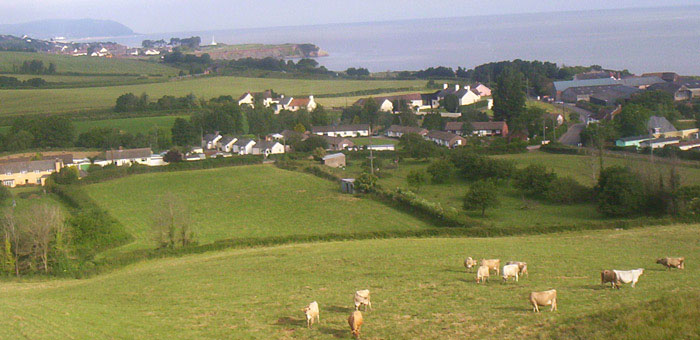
(243, 202)
(79, 99)
(131, 125)
(85, 65)
(419, 291)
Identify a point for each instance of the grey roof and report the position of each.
(210, 137)
(407, 129)
(264, 145)
(111, 155)
(17, 167)
(661, 140)
(243, 142)
(489, 125)
(333, 155)
(227, 139)
(564, 85)
(337, 140)
(615, 92)
(355, 127)
(661, 123)
(641, 81)
(442, 135)
(634, 138)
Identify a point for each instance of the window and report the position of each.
(36, 171)
(8, 182)
(23, 172)
(8, 173)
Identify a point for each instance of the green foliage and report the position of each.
(481, 195)
(319, 153)
(433, 121)
(184, 133)
(415, 179)
(509, 96)
(534, 180)
(310, 144)
(173, 156)
(366, 182)
(45, 132)
(415, 146)
(632, 121)
(566, 190)
(441, 171)
(5, 194)
(67, 175)
(687, 200)
(619, 192)
(474, 166)
(450, 103)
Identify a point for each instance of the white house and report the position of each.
(226, 143)
(267, 148)
(465, 95)
(211, 141)
(356, 130)
(122, 157)
(396, 131)
(307, 104)
(152, 52)
(246, 99)
(445, 138)
(659, 142)
(243, 146)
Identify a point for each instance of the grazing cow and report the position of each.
(546, 298)
(510, 270)
(627, 276)
(355, 322)
(521, 265)
(672, 262)
(482, 274)
(312, 313)
(469, 263)
(609, 276)
(362, 298)
(494, 264)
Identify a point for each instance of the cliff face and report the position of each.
(232, 52)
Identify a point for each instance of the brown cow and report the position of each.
(546, 298)
(493, 264)
(672, 262)
(609, 276)
(355, 322)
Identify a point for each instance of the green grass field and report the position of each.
(82, 99)
(374, 141)
(246, 202)
(419, 291)
(131, 125)
(86, 65)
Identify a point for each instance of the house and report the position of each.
(267, 148)
(246, 99)
(386, 104)
(631, 141)
(291, 134)
(122, 157)
(380, 147)
(557, 118)
(243, 146)
(689, 144)
(356, 130)
(151, 52)
(445, 138)
(307, 104)
(225, 144)
(13, 174)
(659, 142)
(685, 89)
(211, 141)
(658, 125)
(465, 95)
(489, 129)
(482, 90)
(396, 131)
(335, 160)
(605, 114)
(338, 143)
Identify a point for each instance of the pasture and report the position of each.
(67, 100)
(132, 125)
(9, 61)
(245, 202)
(419, 289)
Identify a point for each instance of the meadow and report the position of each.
(9, 61)
(132, 125)
(245, 202)
(70, 100)
(419, 288)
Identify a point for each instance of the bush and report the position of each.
(441, 171)
(688, 201)
(5, 193)
(534, 181)
(416, 179)
(620, 192)
(566, 190)
(476, 167)
(366, 182)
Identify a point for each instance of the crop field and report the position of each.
(84, 99)
(246, 202)
(85, 65)
(419, 289)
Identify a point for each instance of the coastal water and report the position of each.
(641, 40)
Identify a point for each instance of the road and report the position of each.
(573, 134)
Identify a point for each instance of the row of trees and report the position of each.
(13, 83)
(39, 132)
(35, 66)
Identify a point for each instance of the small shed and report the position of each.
(347, 185)
(335, 160)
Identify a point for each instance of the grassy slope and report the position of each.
(89, 65)
(419, 290)
(251, 201)
(72, 100)
(131, 125)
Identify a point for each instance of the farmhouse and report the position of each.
(267, 148)
(243, 146)
(683, 89)
(226, 143)
(465, 95)
(397, 131)
(338, 143)
(13, 174)
(335, 160)
(357, 130)
(445, 138)
(293, 104)
(489, 128)
(122, 157)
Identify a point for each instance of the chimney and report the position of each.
(282, 96)
(311, 98)
(456, 87)
(467, 87)
(58, 164)
(444, 86)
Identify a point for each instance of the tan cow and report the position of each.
(672, 262)
(469, 263)
(493, 264)
(362, 298)
(482, 274)
(521, 265)
(355, 322)
(546, 298)
(510, 270)
(312, 313)
(609, 276)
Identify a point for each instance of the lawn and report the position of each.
(246, 202)
(131, 125)
(419, 291)
(9, 61)
(99, 98)
(374, 141)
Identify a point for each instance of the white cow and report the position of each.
(312, 313)
(627, 276)
(510, 270)
(362, 298)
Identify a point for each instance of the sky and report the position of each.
(155, 16)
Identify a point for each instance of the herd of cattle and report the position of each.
(512, 269)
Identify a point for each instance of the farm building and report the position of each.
(338, 143)
(335, 160)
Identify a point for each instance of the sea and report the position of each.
(639, 40)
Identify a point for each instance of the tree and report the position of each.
(299, 128)
(509, 96)
(173, 156)
(633, 119)
(416, 179)
(319, 116)
(183, 133)
(126, 102)
(311, 144)
(366, 182)
(450, 103)
(21, 140)
(406, 115)
(5, 194)
(440, 170)
(171, 225)
(620, 192)
(13, 242)
(535, 180)
(481, 195)
(433, 121)
(44, 224)
(319, 153)
(415, 146)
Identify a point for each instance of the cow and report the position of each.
(627, 276)
(510, 270)
(672, 262)
(609, 276)
(362, 298)
(312, 313)
(482, 274)
(521, 265)
(469, 263)
(546, 298)
(494, 264)
(355, 322)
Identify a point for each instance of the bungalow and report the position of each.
(226, 143)
(381, 147)
(13, 174)
(122, 157)
(690, 144)
(465, 95)
(489, 129)
(335, 160)
(243, 146)
(246, 99)
(445, 138)
(659, 142)
(267, 148)
(338, 143)
(631, 141)
(397, 131)
(211, 141)
(307, 104)
(356, 130)
(386, 104)
(482, 90)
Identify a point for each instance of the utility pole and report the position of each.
(371, 159)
